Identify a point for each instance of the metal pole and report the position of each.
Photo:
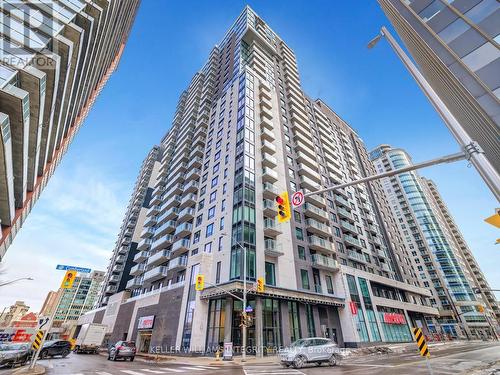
(429, 365)
(47, 330)
(477, 158)
(445, 159)
(244, 349)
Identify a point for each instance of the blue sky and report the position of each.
(79, 214)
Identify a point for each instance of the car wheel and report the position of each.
(333, 361)
(299, 361)
(318, 364)
(44, 354)
(65, 353)
(115, 357)
(285, 365)
(132, 359)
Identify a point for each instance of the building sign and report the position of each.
(146, 322)
(228, 350)
(17, 335)
(393, 318)
(354, 308)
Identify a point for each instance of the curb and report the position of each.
(38, 370)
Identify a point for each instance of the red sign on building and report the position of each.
(354, 308)
(394, 318)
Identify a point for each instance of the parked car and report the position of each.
(55, 347)
(311, 350)
(14, 354)
(122, 349)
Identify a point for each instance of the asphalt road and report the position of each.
(446, 360)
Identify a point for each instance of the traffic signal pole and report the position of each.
(442, 160)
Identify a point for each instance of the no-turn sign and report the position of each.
(297, 199)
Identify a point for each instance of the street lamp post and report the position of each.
(15, 281)
(477, 158)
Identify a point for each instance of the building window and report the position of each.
(196, 237)
(217, 273)
(199, 219)
(208, 247)
(329, 284)
(304, 275)
(215, 180)
(270, 274)
(293, 316)
(221, 242)
(302, 252)
(213, 196)
(299, 234)
(210, 230)
(311, 329)
(221, 223)
(211, 212)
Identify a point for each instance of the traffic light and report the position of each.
(200, 282)
(260, 285)
(480, 308)
(494, 219)
(283, 204)
(69, 279)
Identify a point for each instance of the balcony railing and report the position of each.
(352, 241)
(322, 261)
(357, 256)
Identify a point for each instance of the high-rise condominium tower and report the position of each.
(437, 251)
(244, 131)
(456, 46)
(119, 274)
(56, 57)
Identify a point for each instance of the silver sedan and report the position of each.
(311, 350)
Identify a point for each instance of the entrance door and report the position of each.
(144, 341)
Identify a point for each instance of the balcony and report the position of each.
(192, 187)
(120, 259)
(138, 269)
(271, 228)
(320, 244)
(193, 174)
(114, 279)
(269, 161)
(315, 199)
(111, 289)
(266, 135)
(324, 262)
(169, 214)
(373, 228)
(307, 183)
(268, 175)
(312, 174)
(385, 267)
(268, 147)
(377, 241)
(123, 249)
(272, 248)
(141, 256)
(179, 262)
(188, 201)
(159, 258)
(186, 215)
(356, 256)
(156, 273)
(342, 201)
(351, 241)
(183, 230)
(269, 208)
(195, 163)
(117, 268)
(174, 201)
(180, 246)
(345, 214)
(315, 212)
(314, 226)
(150, 221)
(144, 244)
(153, 210)
(348, 227)
(197, 151)
(306, 160)
(147, 232)
(269, 190)
(166, 228)
(175, 189)
(370, 218)
(134, 283)
(162, 242)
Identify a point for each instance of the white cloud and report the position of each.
(75, 222)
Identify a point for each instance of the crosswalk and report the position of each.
(156, 370)
(271, 370)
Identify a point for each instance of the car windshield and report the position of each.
(48, 343)
(130, 344)
(299, 343)
(5, 347)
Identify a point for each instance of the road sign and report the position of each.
(77, 269)
(421, 343)
(42, 321)
(69, 279)
(38, 340)
(297, 199)
(249, 309)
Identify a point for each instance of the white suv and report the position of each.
(311, 350)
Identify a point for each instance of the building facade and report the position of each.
(56, 56)
(243, 132)
(437, 251)
(13, 313)
(456, 46)
(50, 303)
(120, 271)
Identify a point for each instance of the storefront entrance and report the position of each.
(144, 341)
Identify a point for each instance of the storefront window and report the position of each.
(271, 323)
(311, 329)
(293, 317)
(215, 331)
(370, 313)
(394, 324)
(359, 317)
(188, 320)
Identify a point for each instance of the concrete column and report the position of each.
(259, 342)
(317, 322)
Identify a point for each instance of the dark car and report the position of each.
(14, 354)
(55, 347)
(122, 349)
